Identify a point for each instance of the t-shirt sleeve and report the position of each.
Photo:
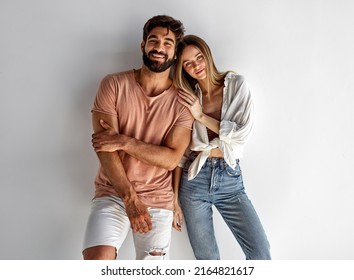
(185, 119)
(106, 97)
(184, 158)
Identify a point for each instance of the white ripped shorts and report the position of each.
(108, 224)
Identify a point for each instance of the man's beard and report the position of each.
(156, 66)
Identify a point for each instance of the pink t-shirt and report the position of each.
(145, 118)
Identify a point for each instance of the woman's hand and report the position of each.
(177, 217)
(191, 101)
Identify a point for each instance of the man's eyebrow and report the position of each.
(152, 36)
(170, 39)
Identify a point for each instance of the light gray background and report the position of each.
(298, 165)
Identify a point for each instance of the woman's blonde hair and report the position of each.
(182, 79)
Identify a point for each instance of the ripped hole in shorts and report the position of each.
(156, 252)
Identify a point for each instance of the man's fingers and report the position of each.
(104, 124)
(146, 223)
(134, 227)
(99, 135)
(149, 224)
(142, 223)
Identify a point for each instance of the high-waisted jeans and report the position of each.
(219, 185)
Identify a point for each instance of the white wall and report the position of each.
(297, 58)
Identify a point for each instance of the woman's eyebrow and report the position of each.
(194, 56)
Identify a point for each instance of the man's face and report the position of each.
(159, 49)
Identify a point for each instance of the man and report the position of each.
(140, 134)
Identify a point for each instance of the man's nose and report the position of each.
(158, 47)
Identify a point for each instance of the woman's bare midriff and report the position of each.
(215, 153)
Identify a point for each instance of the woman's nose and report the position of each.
(195, 64)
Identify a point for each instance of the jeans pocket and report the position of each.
(233, 172)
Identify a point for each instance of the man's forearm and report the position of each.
(156, 155)
(165, 155)
(113, 167)
(137, 212)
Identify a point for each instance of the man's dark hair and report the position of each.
(167, 22)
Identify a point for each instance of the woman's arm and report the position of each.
(177, 213)
(209, 122)
(191, 101)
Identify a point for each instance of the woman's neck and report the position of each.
(208, 89)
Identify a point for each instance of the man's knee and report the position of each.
(101, 252)
(156, 254)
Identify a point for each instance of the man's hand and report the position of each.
(107, 140)
(140, 220)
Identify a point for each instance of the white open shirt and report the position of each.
(235, 126)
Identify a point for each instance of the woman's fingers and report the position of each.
(180, 100)
(189, 98)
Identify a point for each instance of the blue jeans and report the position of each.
(219, 185)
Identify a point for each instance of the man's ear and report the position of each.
(142, 46)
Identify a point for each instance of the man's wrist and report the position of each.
(123, 142)
(130, 196)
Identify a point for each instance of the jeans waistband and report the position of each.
(212, 161)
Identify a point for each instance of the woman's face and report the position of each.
(193, 62)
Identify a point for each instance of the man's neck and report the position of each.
(151, 82)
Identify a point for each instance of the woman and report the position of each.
(221, 104)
